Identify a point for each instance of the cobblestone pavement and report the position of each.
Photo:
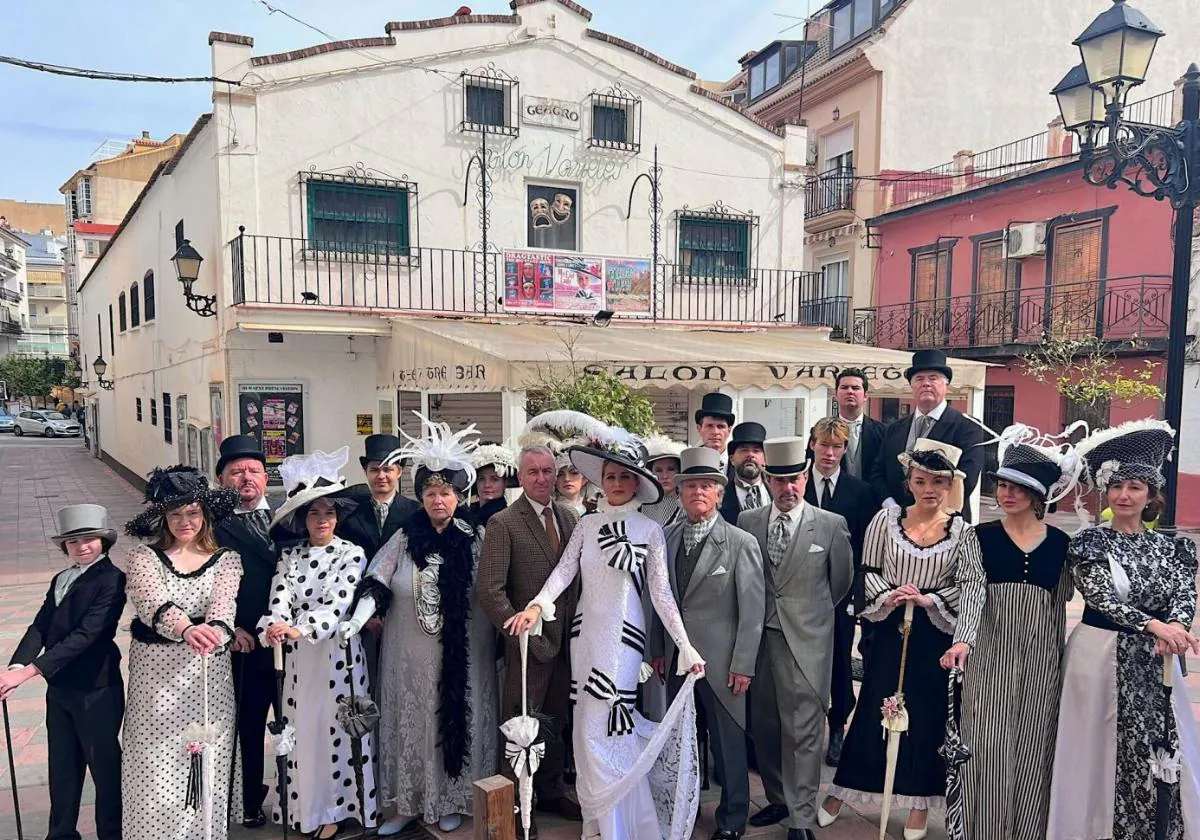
(36, 477)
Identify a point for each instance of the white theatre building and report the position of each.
(439, 218)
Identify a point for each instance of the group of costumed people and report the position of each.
(595, 614)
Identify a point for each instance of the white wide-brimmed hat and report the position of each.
(307, 478)
(617, 446)
(937, 457)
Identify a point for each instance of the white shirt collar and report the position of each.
(833, 479)
(262, 505)
(538, 507)
(937, 413)
(793, 515)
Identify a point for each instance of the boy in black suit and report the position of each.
(70, 644)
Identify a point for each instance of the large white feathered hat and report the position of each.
(307, 478)
(441, 455)
(614, 445)
(659, 447)
(500, 457)
(558, 430)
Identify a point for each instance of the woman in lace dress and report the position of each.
(438, 731)
(635, 780)
(182, 588)
(928, 555)
(1139, 591)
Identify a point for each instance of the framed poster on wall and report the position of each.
(274, 415)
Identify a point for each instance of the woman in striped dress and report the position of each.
(1011, 686)
(928, 555)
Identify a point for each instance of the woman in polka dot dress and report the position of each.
(310, 595)
(182, 588)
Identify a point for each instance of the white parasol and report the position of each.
(524, 751)
(894, 718)
(200, 739)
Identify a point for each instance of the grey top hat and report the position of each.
(785, 456)
(701, 462)
(81, 521)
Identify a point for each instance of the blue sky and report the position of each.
(50, 125)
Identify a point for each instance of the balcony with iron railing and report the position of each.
(388, 280)
(1133, 309)
(829, 200)
(52, 291)
(9, 265)
(10, 295)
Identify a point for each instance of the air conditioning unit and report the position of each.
(1027, 239)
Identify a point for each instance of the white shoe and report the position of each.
(825, 818)
(450, 822)
(915, 833)
(395, 825)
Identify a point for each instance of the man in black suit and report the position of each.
(932, 418)
(242, 466)
(832, 488)
(747, 488)
(714, 421)
(377, 516)
(70, 644)
(866, 433)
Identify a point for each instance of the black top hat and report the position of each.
(237, 447)
(716, 405)
(929, 360)
(749, 432)
(1030, 467)
(379, 447)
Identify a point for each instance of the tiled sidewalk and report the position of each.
(36, 478)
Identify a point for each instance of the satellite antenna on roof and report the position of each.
(110, 148)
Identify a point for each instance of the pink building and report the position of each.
(986, 256)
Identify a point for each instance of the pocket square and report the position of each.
(814, 548)
(720, 570)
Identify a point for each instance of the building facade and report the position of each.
(446, 217)
(14, 306)
(46, 332)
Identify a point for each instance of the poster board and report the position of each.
(274, 415)
(558, 283)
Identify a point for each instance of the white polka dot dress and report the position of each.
(312, 591)
(166, 694)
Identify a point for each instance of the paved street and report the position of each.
(39, 476)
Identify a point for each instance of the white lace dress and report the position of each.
(636, 780)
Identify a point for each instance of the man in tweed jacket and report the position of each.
(519, 553)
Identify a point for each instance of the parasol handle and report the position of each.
(204, 674)
(905, 631)
(1168, 677)
(524, 674)
(277, 653)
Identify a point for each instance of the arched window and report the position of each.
(135, 306)
(122, 320)
(148, 292)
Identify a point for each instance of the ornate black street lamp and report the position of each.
(1162, 163)
(187, 265)
(101, 367)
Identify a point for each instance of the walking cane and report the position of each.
(895, 723)
(1164, 758)
(282, 738)
(12, 772)
(357, 717)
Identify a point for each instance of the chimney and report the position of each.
(145, 135)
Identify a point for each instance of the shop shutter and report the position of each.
(670, 412)
(1075, 272)
(467, 407)
(406, 403)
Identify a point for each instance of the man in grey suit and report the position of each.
(716, 574)
(809, 569)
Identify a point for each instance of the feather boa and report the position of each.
(455, 583)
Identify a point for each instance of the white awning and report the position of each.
(443, 355)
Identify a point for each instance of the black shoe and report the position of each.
(256, 821)
(726, 834)
(769, 816)
(801, 834)
(834, 753)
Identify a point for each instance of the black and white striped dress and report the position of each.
(950, 572)
(1012, 684)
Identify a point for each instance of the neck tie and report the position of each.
(551, 531)
(65, 580)
(852, 449)
(924, 424)
(778, 540)
(826, 494)
(381, 513)
(754, 497)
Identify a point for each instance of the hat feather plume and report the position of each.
(441, 448)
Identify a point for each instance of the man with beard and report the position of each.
(748, 490)
(243, 467)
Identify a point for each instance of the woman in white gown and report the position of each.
(636, 780)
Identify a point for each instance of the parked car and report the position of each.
(6, 421)
(46, 423)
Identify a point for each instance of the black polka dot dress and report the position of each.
(166, 695)
(312, 590)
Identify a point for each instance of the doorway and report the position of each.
(999, 408)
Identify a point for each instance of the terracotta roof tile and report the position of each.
(642, 51)
(435, 23)
(567, 4)
(227, 38)
(321, 49)
(721, 100)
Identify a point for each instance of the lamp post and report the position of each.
(100, 367)
(187, 267)
(1154, 161)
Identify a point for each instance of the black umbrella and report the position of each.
(358, 716)
(283, 738)
(12, 772)
(956, 754)
(1164, 762)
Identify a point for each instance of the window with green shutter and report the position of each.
(358, 218)
(714, 247)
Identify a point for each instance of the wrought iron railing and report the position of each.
(1116, 308)
(829, 192)
(276, 270)
(10, 295)
(9, 327)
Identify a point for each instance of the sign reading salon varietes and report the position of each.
(554, 113)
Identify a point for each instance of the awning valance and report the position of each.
(442, 355)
